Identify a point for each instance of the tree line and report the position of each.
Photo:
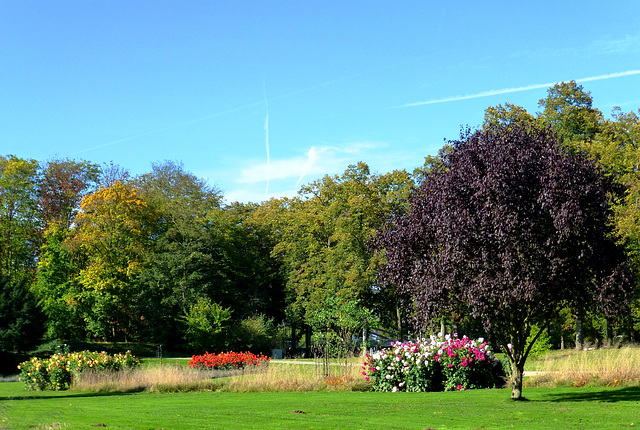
(91, 252)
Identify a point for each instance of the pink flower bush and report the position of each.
(434, 364)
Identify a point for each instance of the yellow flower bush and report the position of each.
(57, 372)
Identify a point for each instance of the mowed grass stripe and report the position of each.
(547, 408)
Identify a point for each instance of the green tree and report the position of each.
(20, 319)
(57, 288)
(20, 225)
(323, 236)
(183, 265)
(569, 111)
(206, 325)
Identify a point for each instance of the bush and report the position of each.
(257, 334)
(434, 364)
(227, 360)
(206, 323)
(542, 345)
(57, 372)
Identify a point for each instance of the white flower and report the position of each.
(481, 339)
(395, 389)
(389, 376)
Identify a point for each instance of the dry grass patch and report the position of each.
(154, 379)
(603, 367)
(276, 377)
(299, 377)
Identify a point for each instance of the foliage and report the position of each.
(20, 319)
(323, 236)
(542, 344)
(206, 324)
(19, 220)
(56, 287)
(568, 111)
(440, 362)
(61, 186)
(228, 360)
(112, 233)
(256, 333)
(513, 230)
(335, 323)
(58, 371)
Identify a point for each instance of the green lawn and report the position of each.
(565, 408)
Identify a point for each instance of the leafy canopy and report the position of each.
(513, 229)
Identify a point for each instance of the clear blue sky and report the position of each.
(261, 97)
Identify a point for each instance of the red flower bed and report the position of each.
(227, 360)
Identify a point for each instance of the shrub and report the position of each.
(542, 345)
(434, 364)
(57, 372)
(257, 334)
(206, 323)
(227, 360)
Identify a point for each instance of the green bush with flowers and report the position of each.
(434, 364)
(57, 372)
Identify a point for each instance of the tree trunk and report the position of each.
(579, 344)
(365, 337)
(516, 381)
(399, 321)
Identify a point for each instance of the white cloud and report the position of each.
(318, 161)
(287, 175)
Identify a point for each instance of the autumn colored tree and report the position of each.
(112, 233)
(61, 186)
(512, 230)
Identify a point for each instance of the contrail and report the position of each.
(516, 90)
(266, 139)
(171, 127)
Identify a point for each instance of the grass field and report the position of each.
(546, 408)
(293, 395)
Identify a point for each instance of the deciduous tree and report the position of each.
(514, 229)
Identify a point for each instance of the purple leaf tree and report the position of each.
(511, 229)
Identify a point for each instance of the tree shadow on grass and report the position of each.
(67, 395)
(627, 394)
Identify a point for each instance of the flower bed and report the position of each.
(57, 372)
(227, 360)
(434, 364)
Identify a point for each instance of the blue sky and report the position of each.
(261, 97)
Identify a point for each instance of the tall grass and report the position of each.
(154, 379)
(300, 377)
(600, 367)
(278, 376)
